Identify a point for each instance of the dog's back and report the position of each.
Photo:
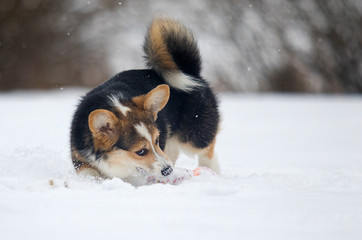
(190, 119)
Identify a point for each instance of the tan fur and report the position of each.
(210, 150)
(158, 45)
(139, 100)
(157, 99)
(105, 128)
(154, 101)
(118, 155)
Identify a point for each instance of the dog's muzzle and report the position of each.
(166, 171)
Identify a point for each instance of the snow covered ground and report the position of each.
(291, 169)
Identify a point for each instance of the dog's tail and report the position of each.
(172, 52)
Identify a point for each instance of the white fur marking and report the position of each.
(181, 81)
(143, 131)
(115, 102)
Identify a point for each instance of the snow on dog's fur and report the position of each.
(139, 119)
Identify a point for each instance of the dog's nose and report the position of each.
(167, 171)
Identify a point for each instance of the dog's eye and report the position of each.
(142, 152)
(157, 140)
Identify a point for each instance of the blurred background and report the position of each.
(308, 46)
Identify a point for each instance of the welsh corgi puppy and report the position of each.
(139, 120)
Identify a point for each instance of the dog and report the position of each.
(139, 120)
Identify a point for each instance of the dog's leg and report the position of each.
(172, 149)
(208, 158)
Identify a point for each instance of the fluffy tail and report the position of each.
(172, 52)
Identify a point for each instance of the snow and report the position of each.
(291, 169)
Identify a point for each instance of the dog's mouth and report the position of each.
(139, 177)
(142, 171)
(151, 178)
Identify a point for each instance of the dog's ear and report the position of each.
(155, 100)
(104, 126)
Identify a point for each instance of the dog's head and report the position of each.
(126, 136)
